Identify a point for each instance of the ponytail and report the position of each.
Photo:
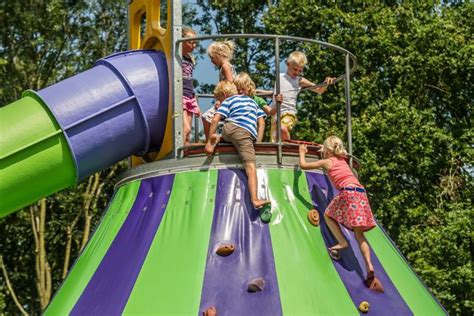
(335, 145)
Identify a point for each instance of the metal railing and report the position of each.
(348, 57)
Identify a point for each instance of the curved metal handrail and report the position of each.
(270, 36)
(346, 76)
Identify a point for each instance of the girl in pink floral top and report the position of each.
(350, 207)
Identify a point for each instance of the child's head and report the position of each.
(295, 64)
(224, 89)
(188, 46)
(334, 146)
(219, 52)
(245, 84)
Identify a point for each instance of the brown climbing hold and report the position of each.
(256, 285)
(225, 250)
(211, 311)
(313, 217)
(364, 307)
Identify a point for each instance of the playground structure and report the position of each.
(154, 251)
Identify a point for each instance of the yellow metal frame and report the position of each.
(155, 37)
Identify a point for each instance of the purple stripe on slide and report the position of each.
(225, 280)
(351, 267)
(108, 290)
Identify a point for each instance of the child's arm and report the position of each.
(261, 128)
(272, 110)
(304, 83)
(320, 164)
(264, 93)
(226, 71)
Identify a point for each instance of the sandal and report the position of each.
(313, 217)
(373, 283)
(334, 254)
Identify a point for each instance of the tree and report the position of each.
(44, 42)
(412, 122)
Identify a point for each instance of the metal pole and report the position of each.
(277, 88)
(347, 92)
(196, 128)
(177, 84)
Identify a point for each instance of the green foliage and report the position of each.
(412, 107)
(412, 122)
(44, 42)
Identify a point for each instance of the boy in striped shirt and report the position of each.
(244, 124)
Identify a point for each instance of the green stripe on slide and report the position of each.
(86, 265)
(171, 278)
(309, 284)
(402, 276)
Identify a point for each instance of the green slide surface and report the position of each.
(172, 275)
(87, 263)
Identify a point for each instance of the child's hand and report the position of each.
(217, 104)
(303, 149)
(279, 98)
(329, 81)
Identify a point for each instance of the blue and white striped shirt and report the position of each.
(242, 111)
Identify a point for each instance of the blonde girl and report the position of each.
(350, 207)
(190, 105)
(221, 54)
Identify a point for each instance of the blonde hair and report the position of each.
(225, 88)
(335, 145)
(185, 30)
(298, 58)
(243, 80)
(224, 49)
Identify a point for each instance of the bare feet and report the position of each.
(339, 246)
(335, 251)
(211, 144)
(260, 203)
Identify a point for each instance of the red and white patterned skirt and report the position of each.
(351, 209)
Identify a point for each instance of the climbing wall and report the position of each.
(154, 252)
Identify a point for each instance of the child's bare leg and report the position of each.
(206, 125)
(187, 119)
(251, 170)
(364, 248)
(337, 232)
(285, 133)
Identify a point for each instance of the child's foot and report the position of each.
(260, 203)
(211, 144)
(335, 251)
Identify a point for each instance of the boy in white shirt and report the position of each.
(291, 83)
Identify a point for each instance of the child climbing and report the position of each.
(350, 207)
(221, 54)
(246, 86)
(190, 105)
(244, 123)
(291, 83)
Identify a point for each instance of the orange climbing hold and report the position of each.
(313, 217)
